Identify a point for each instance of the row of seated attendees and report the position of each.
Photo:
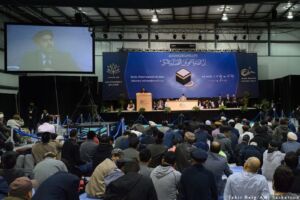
(230, 102)
(184, 161)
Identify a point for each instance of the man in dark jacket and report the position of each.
(71, 155)
(60, 186)
(224, 137)
(218, 165)
(261, 137)
(251, 150)
(239, 148)
(103, 150)
(281, 131)
(131, 186)
(197, 182)
(183, 151)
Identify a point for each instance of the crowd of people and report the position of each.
(188, 161)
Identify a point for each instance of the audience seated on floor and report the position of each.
(96, 186)
(40, 148)
(8, 170)
(132, 185)
(20, 189)
(47, 167)
(190, 160)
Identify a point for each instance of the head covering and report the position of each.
(117, 151)
(208, 122)
(202, 145)
(223, 118)
(218, 123)
(60, 137)
(189, 136)
(269, 124)
(20, 187)
(231, 121)
(152, 123)
(199, 154)
(1, 115)
(292, 136)
(253, 143)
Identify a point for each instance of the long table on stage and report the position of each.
(182, 105)
(160, 115)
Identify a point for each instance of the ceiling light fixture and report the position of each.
(154, 18)
(290, 15)
(223, 8)
(224, 17)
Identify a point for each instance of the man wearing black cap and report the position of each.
(46, 56)
(197, 182)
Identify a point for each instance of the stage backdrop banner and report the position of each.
(170, 74)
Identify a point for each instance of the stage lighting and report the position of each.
(244, 37)
(156, 37)
(224, 17)
(183, 36)
(258, 37)
(105, 36)
(140, 36)
(217, 37)
(235, 37)
(120, 36)
(200, 37)
(174, 36)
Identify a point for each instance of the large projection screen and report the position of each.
(49, 49)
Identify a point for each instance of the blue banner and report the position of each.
(170, 74)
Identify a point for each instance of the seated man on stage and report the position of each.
(130, 106)
(160, 104)
(200, 105)
(182, 98)
(143, 90)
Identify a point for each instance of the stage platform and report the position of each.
(160, 115)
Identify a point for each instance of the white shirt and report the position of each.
(239, 127)
(46, 127)
(182, 98)
(15, 123)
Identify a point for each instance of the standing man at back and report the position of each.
(165, 178)
(247, 184)
(196, 181)
(218, 165)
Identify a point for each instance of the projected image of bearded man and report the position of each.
(46, 56)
